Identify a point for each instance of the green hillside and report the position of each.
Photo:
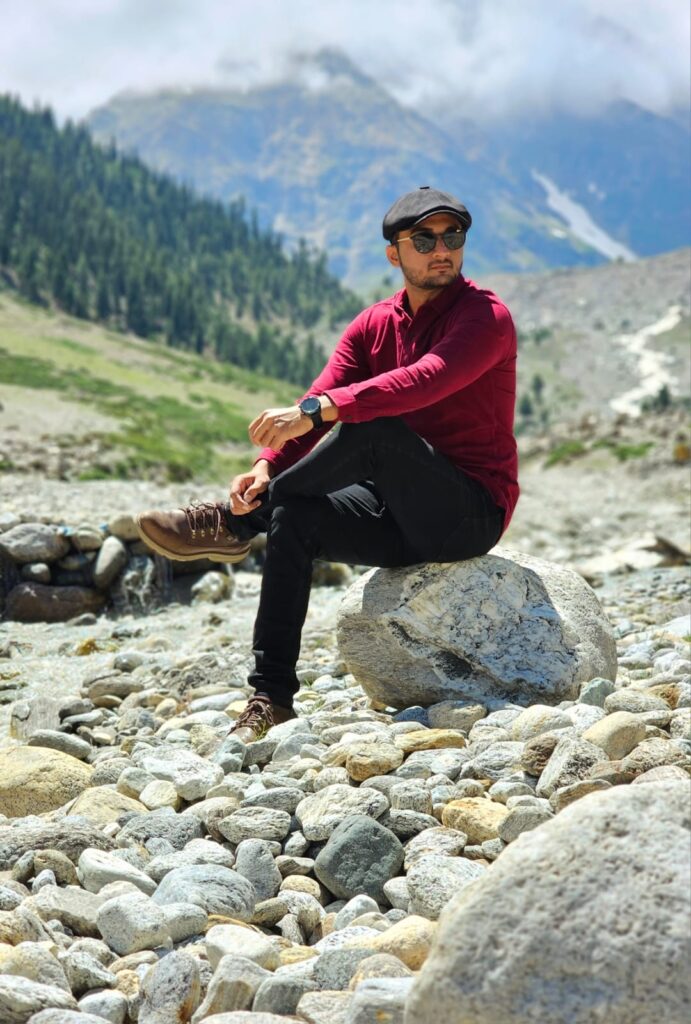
(142, 409)
(98, 235)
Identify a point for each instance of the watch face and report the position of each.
(310, 405)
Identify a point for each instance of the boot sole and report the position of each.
(176, 557)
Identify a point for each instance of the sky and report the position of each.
(495, 59)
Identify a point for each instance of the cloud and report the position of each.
(488, 58)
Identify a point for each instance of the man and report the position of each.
(421, 467)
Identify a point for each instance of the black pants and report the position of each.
(371, 493)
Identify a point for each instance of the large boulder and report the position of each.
(584, 918)
(34, 542)
(38, 602)
(36, 779)
(505, 626)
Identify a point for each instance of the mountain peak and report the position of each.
(327, 69)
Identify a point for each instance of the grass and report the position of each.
(176, 413)
(565, 452)
(625, 452)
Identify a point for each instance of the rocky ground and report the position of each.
(154, 869)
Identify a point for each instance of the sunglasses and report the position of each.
(426, 241)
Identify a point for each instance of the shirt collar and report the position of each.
(439, 304)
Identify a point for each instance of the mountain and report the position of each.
(105, 238)
(324, 153)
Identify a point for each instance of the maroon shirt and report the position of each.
(449, 372)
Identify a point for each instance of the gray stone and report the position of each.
(324, 1007)
(177, 829)
(280, 798)
(72, 906)
(521, 819)
(255, 862)
(233, 987)
(184, 920)
(36, 572)
(320, 813)
(97, 868)
(34, 542)
(255, 823)
(191, 775)
(217, 889)
(65, 1017)
(571, 760)
(396, 892)
(235, 940)
(498, 761)
(20, 998)
(171, 990)
(505, 625)
(617, 734)
(280, 995)
(110, 561)
(595, 690)
(359, 857)
(379, 999)
(635, 701)
(448, 842)
(132, 922)
(109, 1005)
(455, 714)
(360, 904)
(607, 869)
(536, 719)
(335, 967)
(582, 717)
(197, 851)
(85, 973)
(433, 880)
(63, 741)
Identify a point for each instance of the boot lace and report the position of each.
(203, 515)
(258, 716)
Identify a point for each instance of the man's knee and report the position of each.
(382, 427)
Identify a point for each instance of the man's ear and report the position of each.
(392, 255)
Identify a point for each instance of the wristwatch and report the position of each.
(311, 406)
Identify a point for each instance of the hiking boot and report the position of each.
(196, 531)
(258, 717)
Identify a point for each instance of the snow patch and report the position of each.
(581, 223)
(652, 366)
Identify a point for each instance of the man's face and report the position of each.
(431, 270)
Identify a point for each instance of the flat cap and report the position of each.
(414, 206)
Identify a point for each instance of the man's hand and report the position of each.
(245, 488)
(273, 427)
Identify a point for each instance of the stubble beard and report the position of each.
(428, 281)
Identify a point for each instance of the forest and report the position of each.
(95, 233)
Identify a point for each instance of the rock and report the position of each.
(324, 1007)
(561, 798)
(36, 779)
(110, 1005)
(661, 773)
(477, 817)
(184, 920)
(30, 960)
(571, 761)
(97, 869)
(234, 940)
(280, 995)
(131, 922)
(433, 880)
(64, 1017)
(213, 587)
(20, 998)
(498, 761)
(355, 907)
(380, 999)
(365, 760)
(539, 718)
(255, 823)
(191, 775)
(617, 734)
(158, 793)
(359, 857)
(410, 796)
(86, 538)
(654, 753)
(101, 805)
(176, 829)
(320, 813)
(123, 527)
(255, 862)
(171, 990)
(537, 752)
(379, 965)
(410, 940)
(433, 632)
(197, 851)
(72, 906)
(51, 739)
(110, 561)
(36, 572)
(85, 973)
(34, 542)
(455, 714)
(233, 987)
(217, 889)
(635, 701)
(522, 819)
(595, 691)
(38, 602)
(606, 868)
